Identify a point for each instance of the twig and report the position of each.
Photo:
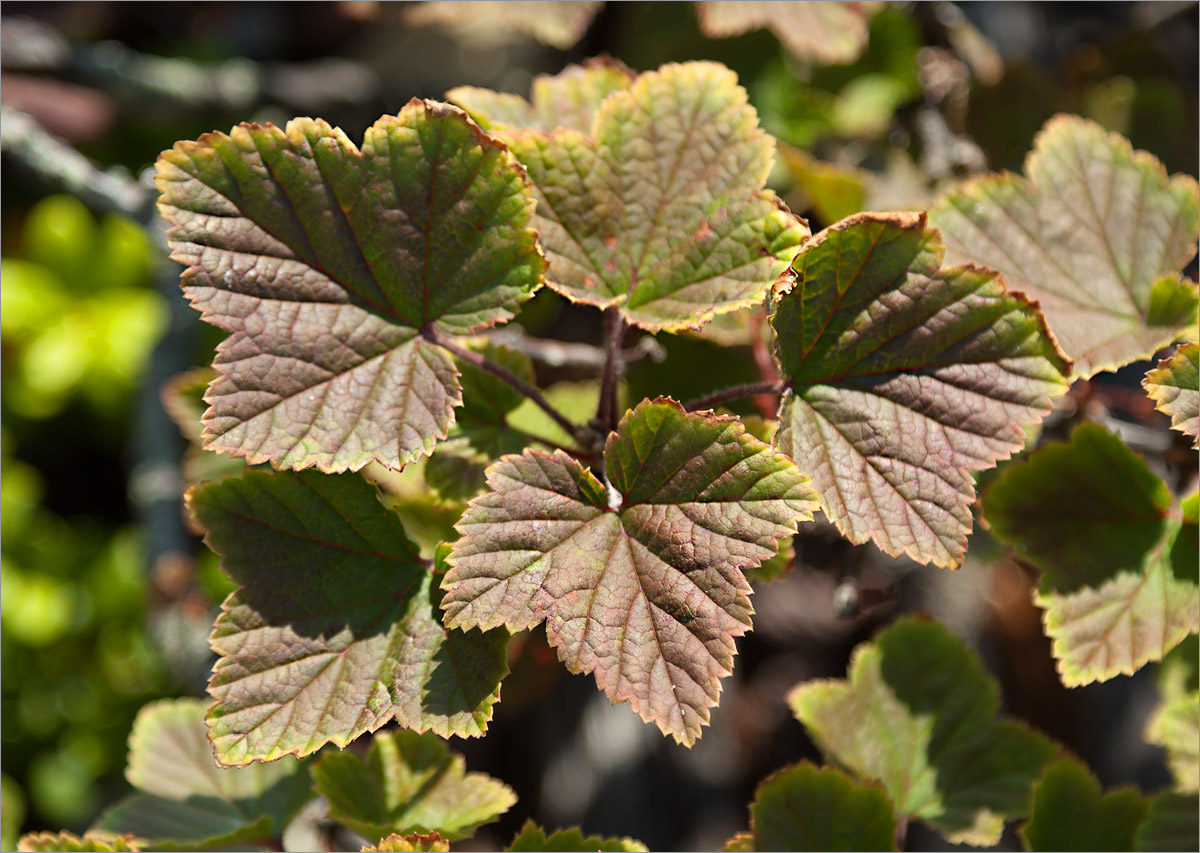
(572, 355)
(433, 336)
(614, 332)
(725, 394)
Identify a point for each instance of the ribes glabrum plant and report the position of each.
(911, 350)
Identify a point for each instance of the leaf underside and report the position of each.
(533, 839)
(918, 713)
(658, 206)
(337, 628)
(557, 23)
(641, 582)
(827, 32)
(904, 377)
(1175, 388)
(409, 783)
(1119, 588)
(324, 262)
(185, 801)
(1069, 812)
(1096, 232)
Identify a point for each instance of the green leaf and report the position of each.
(1119, 587)
(533, 838)
(409, 783)
(1176, 727)
(1172, 823)
(336, 629)
(417, 842)
(904, 378)
(821, 31)
(1096, 232)
(774, 568)
(660, 208)
(639, 579)
(567, 99)
(918, 713)
(804, 807)
(1069, 812)
(185, 801)
(325, 262)
(50, 842)
(1175, 388)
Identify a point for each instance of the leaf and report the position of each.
(1172, 823)
(185, 801)
(415, 843)
(659, 208)
(1069, 812)
(774, 568)
(409, 783)
(826, 32)
(804, 807)
(183, 400)
(742, 842)
(568, 99)
(1096, 232)
(552, 22)
(1175, 389)
(918, 713)
(336, 629)
(48, 842)
(1175, 727)
(834, 191)
(639, 580)
(904, 378)
(533, 838)
(325, 262)
(1119, 587)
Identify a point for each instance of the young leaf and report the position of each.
(417, 842)
(1175, 388)
(532, 838)
(918, 713)
(639, 579)
(337, 629)
(1070, 814)
(325, 262)
(1119, 587)
(568, 99)
(1172, 824)
(1096, 232)
(825, 32)
(904, 377)
(184, 801)
(409, 783)
(659, 208)
(804, 807)
(52, 842)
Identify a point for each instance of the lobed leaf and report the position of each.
(918, 713)
(337, 628)
(638, 579)
(1175, 388)
(1069, 812)
(417, 842)
(903, 378)
(325, 262)
(804, 807)
(552, 22)
(185, 801)
(658, 207)
(1119, 587)
(1096, 232)
(1172, 823)
(533, 838)
(827, 32)
(66, 842)
(409, 783)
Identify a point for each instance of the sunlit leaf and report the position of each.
(325, 262)
(639, 579)
(827, 32)
(818, 808)
(1175, 389)
(409, 783)
(51, 842)
(417, 842)
(905, 376)
(660, 208)
(336, 629)
(1069, 812)
(1175, 726)
(1120, 562)
(1096, 232)
(554, 22)
(1172, 823)
(185, 801)
(918, 713)
(532, 839)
